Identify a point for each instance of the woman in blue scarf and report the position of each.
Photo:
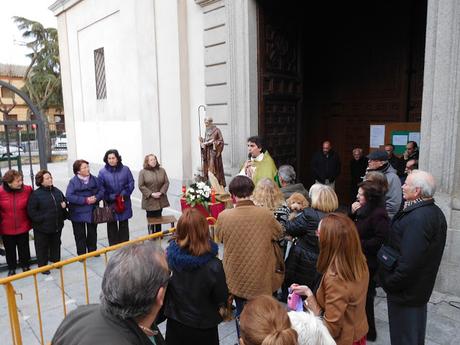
(197, 291)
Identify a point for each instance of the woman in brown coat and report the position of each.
(153, 184)
(341, 296)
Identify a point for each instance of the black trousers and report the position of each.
(153, 214)
(85, 237)
(370, 303)
(117, 232)
(21, 242)
(178, 333)
(47, 247)
(407, 324)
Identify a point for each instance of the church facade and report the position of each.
(135, 74)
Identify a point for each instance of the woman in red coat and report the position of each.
(14, 221)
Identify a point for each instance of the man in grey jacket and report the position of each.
(378, 161)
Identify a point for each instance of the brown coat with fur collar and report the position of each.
(248, 233)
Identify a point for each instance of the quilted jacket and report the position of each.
(248, 233)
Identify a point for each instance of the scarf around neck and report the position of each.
(84, 179)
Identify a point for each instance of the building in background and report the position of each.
(14, 74)
(135, 72)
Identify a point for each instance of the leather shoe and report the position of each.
(46, 272)
(25, 269)
(11, 273)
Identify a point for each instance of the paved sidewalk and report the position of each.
(443, 319)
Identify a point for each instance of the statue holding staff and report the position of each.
(212, 146)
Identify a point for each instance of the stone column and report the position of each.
(440, 145)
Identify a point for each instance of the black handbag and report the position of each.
(103, 214)
(388, 257)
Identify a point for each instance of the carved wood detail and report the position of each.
(280, 88)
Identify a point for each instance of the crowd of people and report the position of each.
(280, 242)
(46, 208)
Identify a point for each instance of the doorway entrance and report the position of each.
(328, 73)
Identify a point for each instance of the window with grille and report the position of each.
(99, 69)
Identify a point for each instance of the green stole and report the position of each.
(266, 168)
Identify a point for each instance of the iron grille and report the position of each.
(99, 69)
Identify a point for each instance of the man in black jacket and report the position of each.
(325, 165)
(396, 162)
(133, 289)
(358, 166)
(418, 234)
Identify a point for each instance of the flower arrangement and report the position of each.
(198, 193)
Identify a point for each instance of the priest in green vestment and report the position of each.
(259, 164)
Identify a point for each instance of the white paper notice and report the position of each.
(414, 136)
(377, 136)
(399, 140)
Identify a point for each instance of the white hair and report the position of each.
(287, 173)
(425, 181)
(314, 189)
(310, 329)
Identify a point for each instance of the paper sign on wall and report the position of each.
(377, 136)
(399, 140)
(415, 136)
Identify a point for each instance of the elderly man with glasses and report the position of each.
(133, 289)
(417, 238)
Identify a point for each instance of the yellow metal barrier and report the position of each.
(11, 293)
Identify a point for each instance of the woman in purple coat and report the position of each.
(83, 194)
(118, 184)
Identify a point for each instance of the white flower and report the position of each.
(200, 185)
(191, 190)
(192, 197)
(206, 194)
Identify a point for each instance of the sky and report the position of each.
(12, 52)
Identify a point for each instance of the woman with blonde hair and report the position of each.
(153, 183)
(301, 262)
(197, 291)
(341, 296)
(267, 194)
(265, 322)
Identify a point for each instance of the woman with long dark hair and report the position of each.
(341, 296)
(118, 183)
(373, 224)
(197, 290)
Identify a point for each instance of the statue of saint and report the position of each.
(212, 146)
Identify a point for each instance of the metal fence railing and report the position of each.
(11, 293)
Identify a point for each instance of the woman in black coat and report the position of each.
(47, 210)
(302, 258)
(373, 224)
(197, 291)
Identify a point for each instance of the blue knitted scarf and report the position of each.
(181, 260)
